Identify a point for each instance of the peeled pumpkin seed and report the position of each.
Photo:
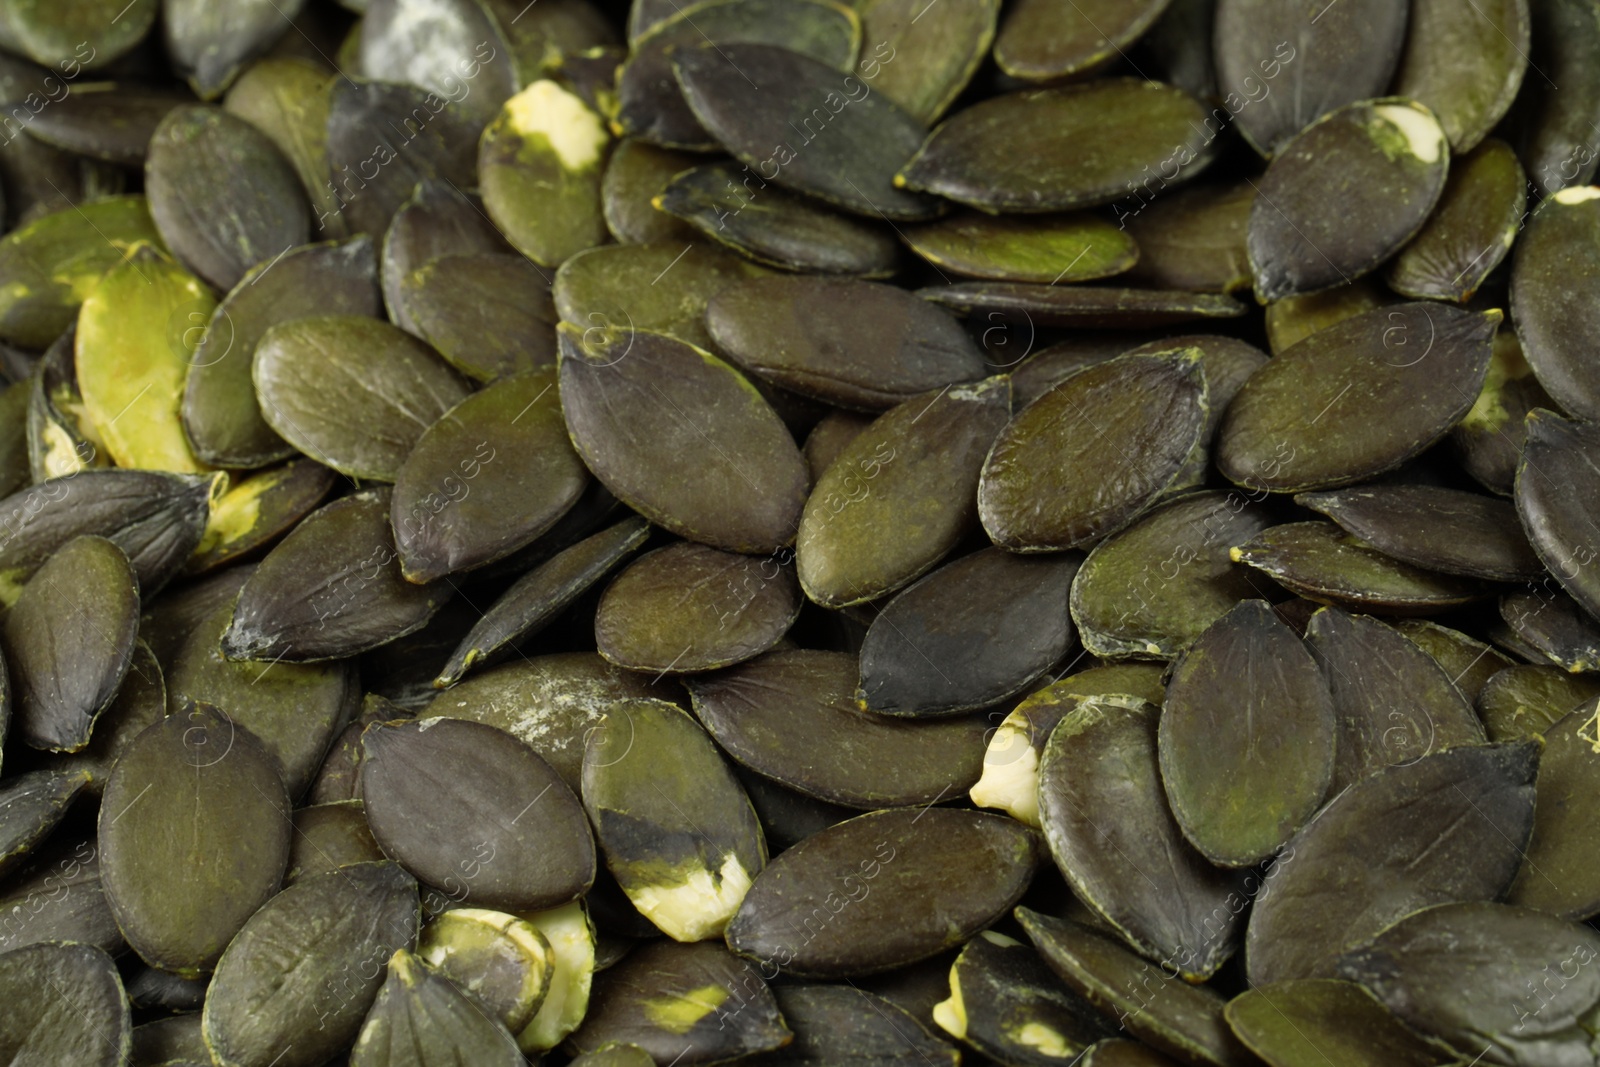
(969, 635)
(1040, 40)
(1555, 495)
(1085, 307)
(1524, 701)
(195, 829)
(1558, 873)
(1300, 238)
(1133, 421)
(502, 960)
(69, 640)
(488, 313)
(1291, 319)
(209, 44)
(57, 897)
(448, 48)
(688, 607)
(1309, 1019)
(1047, 250)
(488, 477)
(1193, 239)
(66, 1005)
(1321, 562)
(834, 1024)
(287, 99)
(438, 220)
(636, 174)
(422, 1018)
(1554, 625)
(1482, 208)
(1489, 438)
(445, 798)
(327, 837)
(638, 409)
(1552, 275)
(31, 805)
(173, 1039)
(948, 45)
(1556, 145)
(141, 701)
(1450, 826)
(1465, 62)
(1468, 663)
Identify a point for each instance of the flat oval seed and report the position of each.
(1348, 52)
(1489, 438)
(176, 1039)
(1554, 625)
(822, 132)
(297, 980)
(422, 1019)
(640, 412)
(439, 47)
(353, 393)
(338, 566)
(1559, 873)
(1450, 826)
(774, 227)
(914, 469)
(255, 509)
(1556, 140)
(1108, 748)
(1246, 756)
(969, 635)
(1292, 319)
(1040, 40)
(688, 1004)
(1304, 1021)
(69, 640)
(502, 960)
(1301, 240)
(835, 1024)
(31, 805)
(1356, 399)
(108, 121)
(195, 827)
(476, 812)
(1321, 562)
(438, 220)
(853, 343)
(51, 35)
(1465, 63)
(637, 173)
(1444, 530)
(327, 837)
(539, 163)
(1150, 590)
(1047, 250)
(487, 313)
(65, 1004)
(1090, 307)
(948, 45)
(1483, 206)
(209, 45)
(1553, 285)
(770, 714)
(1180, 1019)
(1132, 422)
(676, 828)
(287, 99)
(1558, 494)
(1193, 239)
(1469, 663)
(492, 474)
(687, 608)
(1524, 701)
(222, 195)
(873, 877)
(221, 414)
(1089, 144)
(57, 897)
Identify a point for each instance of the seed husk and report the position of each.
(287, 99)
(1356, 399)
(438, 220)
(502, 960)
(1133, 421)
(31, 805)
(915, 467)
(420, 1019)
(476, 812)
(774, 227)
(688, 607)
(1417, 966)
(1302, 1021)
(1025, 250)
(65, 1004)
(69, 640)
(969, 635)
(296, 982)
(1193, 239)
(540, 163)
(1146, 999)
(195, 830)
(1524, 701)
(221, 412)
(1555, 494)
(676, 828)
(488, 314)
(1449, 827)
(253, 510)
(1555, 144)
(946, 45)
(1007, 1004)
(984, 861)
(1465, 63)
(770, 713)
(327, 837)
(489, 477)
(57, 897)
(639, 409)
(222, 195)
(1479, 215)
(1042, 41)
(1321, 562)
(693, 1003)
(1108, 747)
(49, 265)
(1300, 237)
(1089, 144)
(1552, 277)
(339, 565)
(636, 174)
(868, 138)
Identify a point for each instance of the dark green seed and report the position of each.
(209, 44)
(1483, 206)
(636, 174)
(1556, 494)
(1557, 144)
(1522, 702)
(141, 701)
(1552, 282)
(439, 47)
(1468, 663)
(1321, 562)
(65, 1004)
(1560, 873)
(1465, 62)
(488, 314)
(259, 508)
(1489, 438)
(1554, 626)
(835, 1024)
(1089, 307)
(422, 1019)
(57, 897)
(173, 1039)
(438, 220)
(503, 961)
(31, 806)
(1041, 40)
(1317, 1019)
(1025, 249)
(942, 48)
(1193, 239)
(287, 99)
(109, 121)
(327, 837)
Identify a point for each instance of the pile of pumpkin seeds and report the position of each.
(892, 532)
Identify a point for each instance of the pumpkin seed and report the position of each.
(948, 44)
(141, 701)
(1550, 279)
(1465, 64)
(1300, 238)
(1323, 563)
(1450, 826)
(57, 897)
(438, 220)
(445, 796)
(781, 230)
(1489, 438)
(1558, 873)
(60, 35)
(195, 828)
(1554, 625)
(327, 837)
(1480, 211)
(800, 99)
(420, 1017)
(1524, 701)
(1303, 1021)
(67, 1005)
(488, 314)
(1047, 249)
(770, 713)
(638, 407)
(31, 806)
(1193, 239)
(1133, 420)
(1294, 425)
(833, 1024)
(1555, 142)
(1084, 307)
(339, 565)
(60, 438)
(553, 37)
(1292, 319)
(616, 1054)
(453, 49)
(573, 941)
(288, 100)
(691, 1004)
(1041, 41)
(15, 467)
(502, 960)
(828, 438)
(1555, 491)
(69, 640)
(1090, 144)
(209, 45)
(1468, 663)
(256, 509)
(296, 982)
(636, 174)
(172, 1039)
